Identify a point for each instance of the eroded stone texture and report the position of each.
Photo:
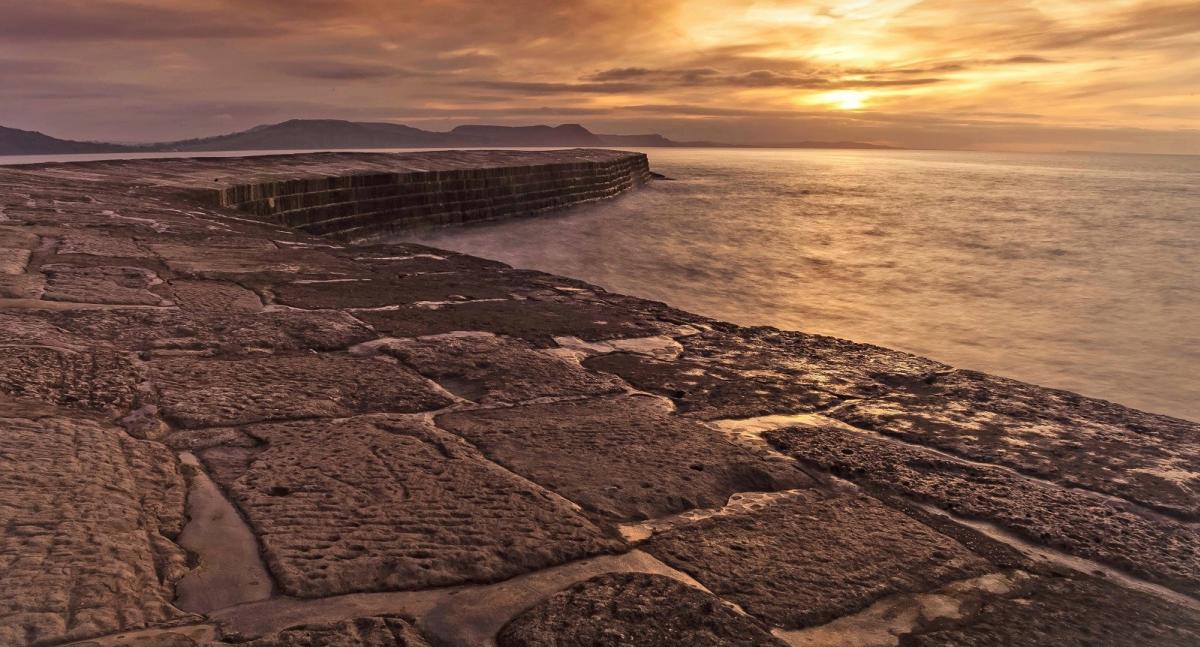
(1058, 435)
(490, 369)
(379, 292)
(21, 286)
(1076, 521)
(536, 321)
(251, 259)
(84, 548)
(102, 284)
(93, 379)
(13, 261)
(408, 258)
(410, 507)
(212, 297)
(210, 393)
(1084, 611)
(212, 332)
(94, 243)
(808, 559)
(623, 457)
(762, 371)
(361, 632)
(635, 610)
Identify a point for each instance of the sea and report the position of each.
(1073, 271)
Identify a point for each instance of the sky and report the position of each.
(1029, 75)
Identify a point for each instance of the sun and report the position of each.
(846, 99)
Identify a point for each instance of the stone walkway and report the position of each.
(215, 430)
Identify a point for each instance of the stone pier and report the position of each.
(221, 423)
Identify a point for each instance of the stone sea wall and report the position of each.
(363, 204)
(220, 430)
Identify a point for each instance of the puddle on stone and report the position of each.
(754, 427)
(1040, 553)
(463, 616)
(882, 623)
(230, 569)
(738, 503)
(659, 347)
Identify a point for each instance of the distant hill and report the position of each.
(28, 142)
(564, 135)
(323, 134)
(302, 134)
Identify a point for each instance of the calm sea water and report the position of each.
(1073, 271)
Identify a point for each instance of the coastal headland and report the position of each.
(224, 421)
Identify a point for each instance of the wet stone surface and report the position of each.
(1077, 521)
(311, 442)
(1048, 612)
(211, 393)
(214, 332)
(99, 379)
(490, 370)
(756, 372)
(1080, 442)
(535, 321)
(813, 557)
(88, 513)
(418, 508)
(622, 457)
(634, 609)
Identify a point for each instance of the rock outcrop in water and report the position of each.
(217, 428)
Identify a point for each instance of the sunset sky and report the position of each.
(1116, 75)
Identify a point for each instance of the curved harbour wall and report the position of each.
(360, 204)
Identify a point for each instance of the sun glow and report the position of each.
(845, 99)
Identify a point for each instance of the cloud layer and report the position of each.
(1006, 74)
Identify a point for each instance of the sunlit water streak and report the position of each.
(1073, 271)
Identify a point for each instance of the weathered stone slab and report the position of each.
(21, 286)
(211, 393)
(808, 559)
(490, 369)
(413, 507)
(211, 332)
(1076, 521)
(94, 243)
(379, 292)
(756, 372)
(634, 609)
(84, 548)
(14, 238)
(406, 259)
(102, 284)
(1051, 612)
(361, 632)
(535, 321)
(13, 261)
(212, 297)
(98, 379)
(622, 457)
(209, 261)
(1065, 437)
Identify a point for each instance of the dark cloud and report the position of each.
(534, 88)
(85, 20)
(698, 77)
(458, 62)
(335, 70)
(29, 67)
(1027, 59)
